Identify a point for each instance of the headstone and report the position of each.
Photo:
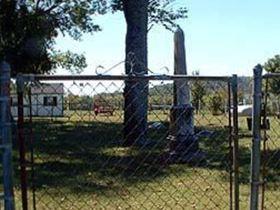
(184, 145)
(181, 88)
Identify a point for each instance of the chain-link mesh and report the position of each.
(245, 108)
(77, 158)
(270, 169)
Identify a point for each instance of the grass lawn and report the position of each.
(80, 164)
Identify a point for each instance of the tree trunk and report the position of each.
(136, 92)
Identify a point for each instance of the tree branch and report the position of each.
(37, 5)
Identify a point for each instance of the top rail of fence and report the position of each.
(33, 77)
(271, 75)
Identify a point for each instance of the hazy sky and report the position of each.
(222, 38)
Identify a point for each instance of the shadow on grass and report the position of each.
(87, 157)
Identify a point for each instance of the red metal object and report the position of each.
(103, 109)
(23, 174)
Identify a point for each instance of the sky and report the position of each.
(222, 38)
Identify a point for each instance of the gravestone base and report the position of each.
(184, 145)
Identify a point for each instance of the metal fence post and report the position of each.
(5, 135)
(256, 142)
(234, 87)
(230, 145)
(23, 174)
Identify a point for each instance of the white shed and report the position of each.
(46, 100)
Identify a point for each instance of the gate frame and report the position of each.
(256, 141)
(231, 81)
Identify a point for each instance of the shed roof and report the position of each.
(47, 88)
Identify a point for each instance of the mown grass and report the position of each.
(81, 164)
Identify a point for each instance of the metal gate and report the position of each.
(72, 154)
(266, 153)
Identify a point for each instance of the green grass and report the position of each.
(80, 164)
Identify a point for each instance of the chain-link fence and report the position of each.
(245, 85)
(270, 145)
(83, 146)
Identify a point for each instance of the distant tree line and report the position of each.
(206, 96)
